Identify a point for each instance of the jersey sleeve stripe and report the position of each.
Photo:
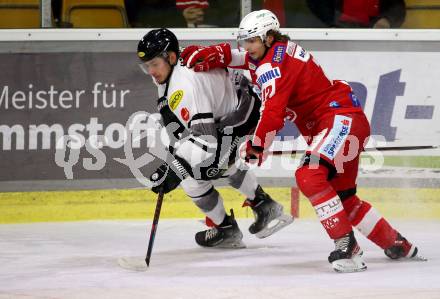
(201, 144)
(201, 118)
(202, 121)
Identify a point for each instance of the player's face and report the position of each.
(158, 68)
(255, 47)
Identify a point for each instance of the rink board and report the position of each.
(22, 207)
(86, 83)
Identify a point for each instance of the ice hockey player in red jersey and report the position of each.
(293, 86)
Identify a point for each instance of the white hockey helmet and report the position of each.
(257, 23)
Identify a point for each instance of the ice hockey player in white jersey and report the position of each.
(206, 118)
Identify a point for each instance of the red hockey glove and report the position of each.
(206, 58)
(254, 154)
(187, 52)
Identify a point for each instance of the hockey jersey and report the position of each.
(199, 100)
(293, 87)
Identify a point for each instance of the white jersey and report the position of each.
(199, 100)
(199, 97)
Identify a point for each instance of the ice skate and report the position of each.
(347, 256)
(403, 249)
(225, 235)
(269, 216)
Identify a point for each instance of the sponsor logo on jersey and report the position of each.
(212, 172)
(175, 99)
(184, 113)
(336, 138)
(269, 75)
(266, 78)
(354, 100)
(334, 104)
(290, 48)
(252, 66)
(301, 54)
(278, 54)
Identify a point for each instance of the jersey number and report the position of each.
(267, 92)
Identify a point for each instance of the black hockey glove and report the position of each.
(164, 179)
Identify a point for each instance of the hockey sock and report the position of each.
(369, 222)
(314, 185)
(211, 204)
(245, 181)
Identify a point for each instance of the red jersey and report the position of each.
(294, 87)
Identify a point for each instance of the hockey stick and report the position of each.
(184, 174)
(154, 226)
(135, 264)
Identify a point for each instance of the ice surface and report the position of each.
(79, 260)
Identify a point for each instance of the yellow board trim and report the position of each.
(21, 207)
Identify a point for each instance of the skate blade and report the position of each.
(132, 264)
(418, 258)
(355, 264)
(281, 222)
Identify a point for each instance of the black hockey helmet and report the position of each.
(156, 42)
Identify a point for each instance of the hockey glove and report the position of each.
(164, 179)
(253, 154)
(202, 59)
(187, 52)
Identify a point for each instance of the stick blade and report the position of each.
(133, 264)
